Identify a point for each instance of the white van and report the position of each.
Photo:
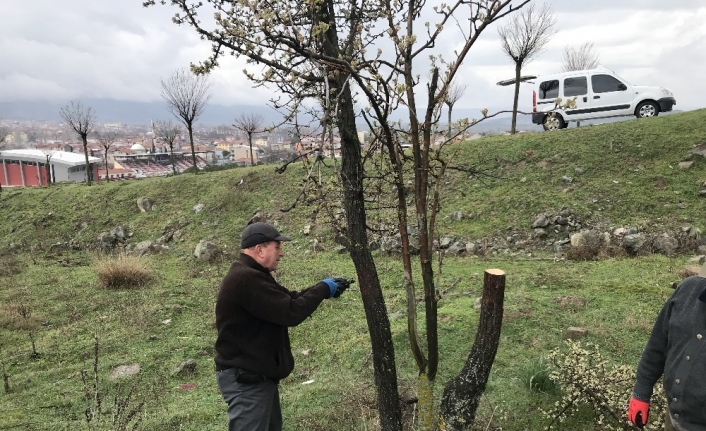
(598, 93)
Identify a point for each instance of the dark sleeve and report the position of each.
(270, 302)
(654, 356)
(295, 295)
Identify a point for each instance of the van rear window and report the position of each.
(549, 89)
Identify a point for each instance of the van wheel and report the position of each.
(647, 109)
(553, 122)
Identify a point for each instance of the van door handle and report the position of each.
(596, 97)
(585, 99)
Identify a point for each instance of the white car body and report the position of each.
(598, 93)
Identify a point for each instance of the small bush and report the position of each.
(122, 272)
(586, 379)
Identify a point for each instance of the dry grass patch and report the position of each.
(18, 317)
(643, 323)
(9, 265)
(122, 272)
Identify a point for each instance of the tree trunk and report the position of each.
(462, 394)
(370, 289)
(518, 71)
(193, 151)
(85, 153)
(448, 136)
(252, 159)
(354, 204)
(171, 159)
(107, 174)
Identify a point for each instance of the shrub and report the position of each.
(122, 271)
(586, 379)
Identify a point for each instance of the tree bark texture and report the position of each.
(193, 151)
(462, 394)
(252, 158)
(354, 204)
(370, 289)
(518, 72)
(84, 139)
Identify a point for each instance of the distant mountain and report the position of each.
(135, 113)
(119, 111)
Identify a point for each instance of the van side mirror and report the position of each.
(622, 87)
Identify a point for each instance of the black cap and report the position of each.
(258, 233)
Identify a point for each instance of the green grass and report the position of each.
(630, 179)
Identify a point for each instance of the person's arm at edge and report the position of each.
(651, 366)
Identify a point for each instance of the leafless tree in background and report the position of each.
(523, 38)
(186, 95)
(168, 132)
(453, 95)
(581, 58)
(82, 120)
(106, 139)
(249, 123)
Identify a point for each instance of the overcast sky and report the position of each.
(76, 49)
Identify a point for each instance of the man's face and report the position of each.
(268, 254)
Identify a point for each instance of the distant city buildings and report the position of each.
(31, 167)
(137, 153)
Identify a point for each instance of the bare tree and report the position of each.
(313, 48)
(168, 132)
(454, 94)
(523, 39)
(249, 123)
(82, 120)
(581, 58)
(186, 95)
(106, 139)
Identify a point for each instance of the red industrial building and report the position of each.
(20, 168)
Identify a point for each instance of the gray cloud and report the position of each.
(75, 49)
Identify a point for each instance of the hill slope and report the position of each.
(620, 174)
(51, 300)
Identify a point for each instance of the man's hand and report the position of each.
(638, 412)
(337, 286)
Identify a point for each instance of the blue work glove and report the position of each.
(337, 286)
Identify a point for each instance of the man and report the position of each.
(253, 313)
(677, 349)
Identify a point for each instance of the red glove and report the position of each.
(638, 412)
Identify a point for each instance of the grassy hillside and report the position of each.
(627, 175)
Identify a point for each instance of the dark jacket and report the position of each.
(253, 313)
(677, 348)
